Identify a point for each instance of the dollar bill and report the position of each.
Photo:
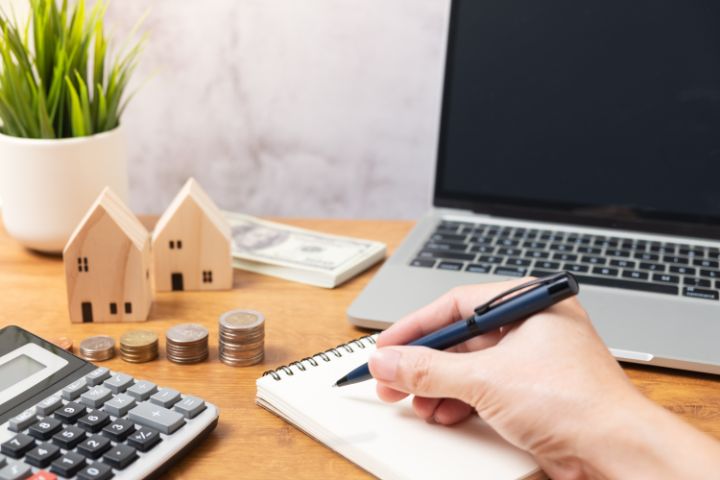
(298, 254)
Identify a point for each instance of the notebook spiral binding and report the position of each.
(301, 366)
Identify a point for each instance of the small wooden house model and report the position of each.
(191, 244)
(107, 265)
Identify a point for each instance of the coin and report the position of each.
(63, 342)
(186, 343)
(241, 337)
(139, 346)
(97, 349)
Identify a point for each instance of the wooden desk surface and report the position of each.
(249, 442)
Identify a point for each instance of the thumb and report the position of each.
(426, 372)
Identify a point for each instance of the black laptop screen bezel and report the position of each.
(609, 216)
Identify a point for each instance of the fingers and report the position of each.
(445, 411)
(458, 303)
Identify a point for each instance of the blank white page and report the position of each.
(387, 440)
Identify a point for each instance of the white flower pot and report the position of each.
(46, 186)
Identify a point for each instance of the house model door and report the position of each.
(177, 281)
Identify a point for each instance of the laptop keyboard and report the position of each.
(634, 264)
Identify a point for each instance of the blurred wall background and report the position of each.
(282, 107)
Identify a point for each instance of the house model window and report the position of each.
(113, 308)
(207, 276)
(82, 264)
(175, 244)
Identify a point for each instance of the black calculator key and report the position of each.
(144, 439)
(69, 437)
(94, 421)
(119, 429)
(94, 446)
(68, 464)
(120, 456)
(42, 455)
(17, 446)
(45, 428)
(96, 471)
(70, 412)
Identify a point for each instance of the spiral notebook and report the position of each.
(387, 440)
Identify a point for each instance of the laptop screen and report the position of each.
(602, 112)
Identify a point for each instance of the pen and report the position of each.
(534, 296)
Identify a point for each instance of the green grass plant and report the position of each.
(58, 78)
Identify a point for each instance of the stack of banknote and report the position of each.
(297, 254)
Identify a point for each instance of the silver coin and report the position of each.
(99, 343)
(241, 319)
(187, 333)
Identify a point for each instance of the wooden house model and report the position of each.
(107, 265)
(192, 244)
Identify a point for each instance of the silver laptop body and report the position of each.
(673, 318)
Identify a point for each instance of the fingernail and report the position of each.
(383, 364)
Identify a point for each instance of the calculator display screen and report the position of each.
(17, 369)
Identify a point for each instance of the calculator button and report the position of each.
(72, 391)
(142, 390)
(42, 455)
(120, 456)
(22, 421)
(119, 405)
(45, 428)
(94, 446)
(166, 397)
(15, 471)
(144, 439)
(156, 417)
(119, 382)
(69, 464)
(94, 421)
(190, 406)
(17, 446)
(119, 429)
(70, 412)
(42, 475)
(69, 437)
(97, 376)
(96, 396)
(96, 471)
(49, 405)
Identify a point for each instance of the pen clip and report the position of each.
(537, 283)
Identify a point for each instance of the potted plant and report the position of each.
(61, 98)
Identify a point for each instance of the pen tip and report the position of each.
(334, 384)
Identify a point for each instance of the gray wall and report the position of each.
(287, 107)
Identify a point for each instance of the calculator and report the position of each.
(62, 417)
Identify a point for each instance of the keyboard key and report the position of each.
(705, 294)
(120, 456)
(606, 271)
(190, 407)
(682, 270)
(22, 421)
(70, 412)
(572, 267)
(614, 252)
(450, 266)
(166, 397)
(536, 254)
(535, 245)
(676, 260)
(423, 262)
(97, 376)
(142, 390)
(49, 405)
(119, 429)
(701, 262)
(548, 265)
(628, 284)
(96, 471)
(542, 273)
(665, 278)
(69, 437)
(448, 237)
(565, 257)
(17, 446)
(593, 260)
(144, 439)
(15, 471)
(473, 268)
(479, 240)
(653, 267)
(444, 246)
(96, 396)
(157, 417)
(72, 391)
(710, 273)
(507, 242)
(68, 465)
(562, 247)
(697, 282)
(510, 252)
(94, 421)
(481, 249)
(428, 254)
(490, 259)
(589, 250)
(635, 275)
(45, 428)
(119, 382)
(518, 262)
(510, 271)
(647, 256)
(119, 405)
(42, 455)
(623, 263)
(94, 446)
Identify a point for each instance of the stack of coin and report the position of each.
(139, 346)
(63, 342)
(97, 349)
(242, 338)
(187, 343)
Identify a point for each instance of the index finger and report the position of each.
(458, 303)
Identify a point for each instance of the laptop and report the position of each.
(578, 136)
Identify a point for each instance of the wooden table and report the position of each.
(249, 442)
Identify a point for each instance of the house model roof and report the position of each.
(193, 192)
(108, 203)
